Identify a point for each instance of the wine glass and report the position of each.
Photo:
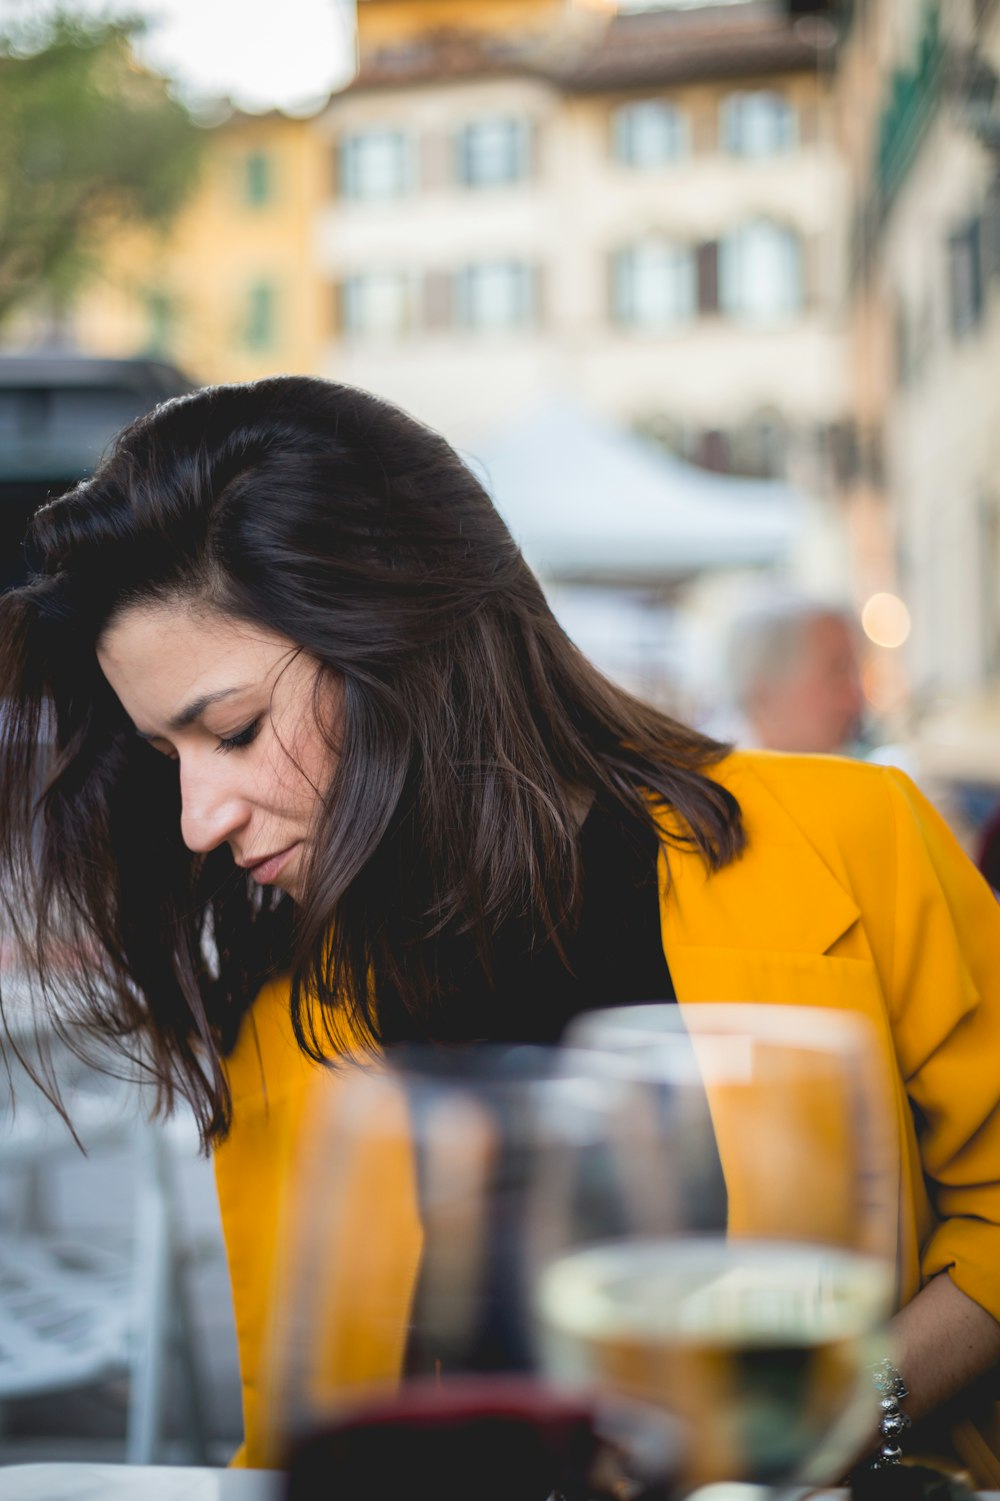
(754, 1315)
(407, 1339)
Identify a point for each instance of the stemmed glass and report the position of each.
(753, 1316)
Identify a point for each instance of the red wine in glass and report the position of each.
(493, 1438)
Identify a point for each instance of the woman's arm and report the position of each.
(941, 1341)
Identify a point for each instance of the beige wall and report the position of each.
(576, 211)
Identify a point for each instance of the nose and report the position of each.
(213, 805)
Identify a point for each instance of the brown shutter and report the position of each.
(436, 152)
(437, 300)
(708, 277)
(704, 127)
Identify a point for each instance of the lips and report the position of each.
(268, 867)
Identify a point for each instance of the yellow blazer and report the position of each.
(852, 894)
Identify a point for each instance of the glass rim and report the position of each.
(820, 1028)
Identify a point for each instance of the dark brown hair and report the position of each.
(470, 729)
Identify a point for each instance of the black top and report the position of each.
(615, 955)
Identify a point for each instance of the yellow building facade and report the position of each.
(228, 293)
(392, 23)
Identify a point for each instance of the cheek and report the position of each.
(300, 777)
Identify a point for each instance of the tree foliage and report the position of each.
(88, 138)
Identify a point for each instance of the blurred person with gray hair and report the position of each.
(794, 672)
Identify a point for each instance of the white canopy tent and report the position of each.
(590, 502)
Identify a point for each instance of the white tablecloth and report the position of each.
(84, 1482)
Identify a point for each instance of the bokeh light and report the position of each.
(886, 620)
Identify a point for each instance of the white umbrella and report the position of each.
(589, 501)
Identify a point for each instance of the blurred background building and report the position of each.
(919, 124)
(643, 212)
(760, 235)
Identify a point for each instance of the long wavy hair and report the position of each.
(471, 731)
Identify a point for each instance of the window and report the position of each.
(494, 295)
(258, 187)
(654, 284)
(377, 304)
(760, 272)
(757, 124)
(649, 133)
(493, 152)
(965, 278)
(759, 447)
(259, 328)
(376, 164)
(160, 316)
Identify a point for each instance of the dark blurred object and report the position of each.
(57, 414)
(908, 1482)
(491, 1440)
(988, 853)
(832, 10)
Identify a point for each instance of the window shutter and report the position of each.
(708, 277)
(460, 155)
(539, 294)
(713, 451)
(340, 170)
(704, 128)
(337, 309)
(808, 122)
(619, 287)
(528, 150)
(436, 160)
(437, 300)
(965, 279)
(991, 233)
(811, 260)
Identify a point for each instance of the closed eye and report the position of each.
(240, 739)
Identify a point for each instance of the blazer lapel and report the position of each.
(766, 929)
(761, 928)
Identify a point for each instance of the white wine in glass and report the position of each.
(754, 1315)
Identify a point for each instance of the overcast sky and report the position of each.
(262, 53)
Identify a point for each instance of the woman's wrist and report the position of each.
(893, 1422)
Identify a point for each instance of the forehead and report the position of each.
(156, 656)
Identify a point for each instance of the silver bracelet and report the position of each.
(893, 1424)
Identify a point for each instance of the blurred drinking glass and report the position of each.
(754, 1314)
(418, 1219)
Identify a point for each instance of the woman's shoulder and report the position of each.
(829, 798)
(800, 778)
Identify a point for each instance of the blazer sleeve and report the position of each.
(943, 991)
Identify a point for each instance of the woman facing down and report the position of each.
(314, 718)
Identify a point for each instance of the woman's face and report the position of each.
(233, 704)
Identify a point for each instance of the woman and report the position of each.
(313, 719)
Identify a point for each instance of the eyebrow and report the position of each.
(194, 710)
